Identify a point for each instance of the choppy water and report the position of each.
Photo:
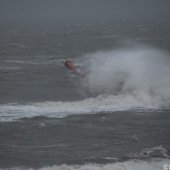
(117, 117)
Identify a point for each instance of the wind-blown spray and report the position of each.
(139, 72)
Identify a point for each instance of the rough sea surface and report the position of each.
(114, 118)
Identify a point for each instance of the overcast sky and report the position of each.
(83, 9)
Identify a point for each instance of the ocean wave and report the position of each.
(124, 79)
(39, 60)
(155, 158)
(138, 71)
(154, 164)
(5, 68)
(102, 103)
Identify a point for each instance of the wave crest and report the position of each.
(139, 71)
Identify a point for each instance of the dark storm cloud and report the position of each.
(80, 9)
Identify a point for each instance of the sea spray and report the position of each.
(123, 79)
(141, 72)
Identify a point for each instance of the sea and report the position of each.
(116, 117)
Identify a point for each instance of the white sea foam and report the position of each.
(142, 72)
(155, 164)
(102, 103)
(3, 68)
(129, 165)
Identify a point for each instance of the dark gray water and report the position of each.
(48, 118)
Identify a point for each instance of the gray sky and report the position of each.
(82, 9)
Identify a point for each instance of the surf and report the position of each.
(132, 165)
(58, 109)
(122, 79)
(132, 71)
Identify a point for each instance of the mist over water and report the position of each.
(141, 73)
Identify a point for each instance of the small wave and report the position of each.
(137, 161)
(39, 60)
(28, 62)
(102, 103)
(154, 164)
(156, 152)
(128, 165)
(9, 68)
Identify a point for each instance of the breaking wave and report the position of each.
(150, 159)
(123, 79)
(139, 72)
(128, 165)
(102, 103)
